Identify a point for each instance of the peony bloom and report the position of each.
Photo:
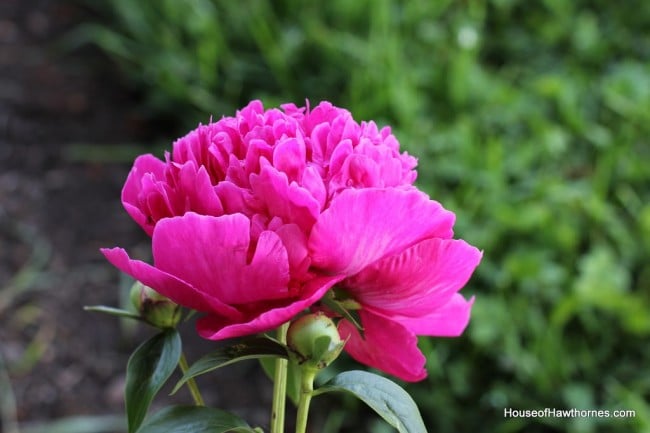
(253, 219)
(403, 272)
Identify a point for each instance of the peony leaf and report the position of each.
(147, 371)
(194, 419)
(113, 311)
(248, 348)
(385, 397)
(340, 307)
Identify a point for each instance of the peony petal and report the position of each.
(295, 242)
(195, 187)
(288, 201)
(257, 150)
(387, 346)
(210, 253)
(358, 171)
(313, 182)
(159, 200)
(144, 164)
(168, 285)
(195, 147)
(318, 142)
(363, 226)
(417, 281)
(450, 320)
(289, 157)
(339, 155)
(267, 275)
(219, 328)
(236, 200)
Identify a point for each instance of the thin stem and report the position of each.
(280, 386)
(306, 391)
(191, 383)
(8, 410)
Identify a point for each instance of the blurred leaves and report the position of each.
(531, 120)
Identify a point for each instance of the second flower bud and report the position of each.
(314, 341)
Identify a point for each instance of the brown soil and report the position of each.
(56, 211)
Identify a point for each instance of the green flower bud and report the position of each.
(153, 307)
(314, 341)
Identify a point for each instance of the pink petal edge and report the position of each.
(218, 328)
(363, 226)
(418, 280)
(450, 320)
(167, 285)
(388, 346)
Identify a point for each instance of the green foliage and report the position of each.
(249, 348)
(194, 419)
(530, 120)
(385, 397)
(148, 369)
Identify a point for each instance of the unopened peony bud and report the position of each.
(153, 307)
(314, 341)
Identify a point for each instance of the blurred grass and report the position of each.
(531, 120)
(78, 424)
(23, 316)
(8, 412)
(32, 270)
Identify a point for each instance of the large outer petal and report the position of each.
(418, 280)
(219, 328)
(363, 226)
(211, 254)
(168, 285)
(450, 320)
(387, 346)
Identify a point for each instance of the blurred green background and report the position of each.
(530, 119)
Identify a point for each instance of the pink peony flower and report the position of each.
(402, 269)
(253, 218)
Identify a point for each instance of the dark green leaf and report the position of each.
(113, 311)
(385, 397)
(249, 348)
(194, 419)
(147, 371)
(339, 307)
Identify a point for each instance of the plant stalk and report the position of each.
(191, 383)
(307, 376)
(280, 386)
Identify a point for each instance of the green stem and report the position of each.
(280, 386)
(191, 383)
(8, 409)
(307, 376)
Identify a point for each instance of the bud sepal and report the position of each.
(154, 308)
(314, 341)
